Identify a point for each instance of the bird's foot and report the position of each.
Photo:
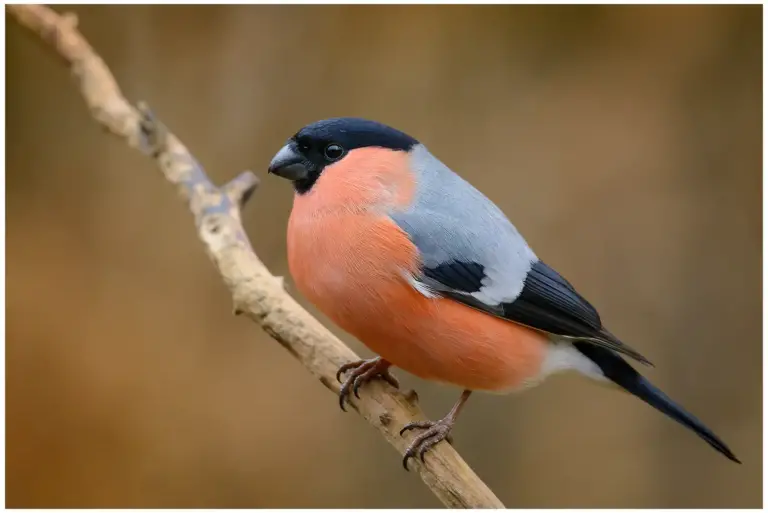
(435, 432)
(363, 371)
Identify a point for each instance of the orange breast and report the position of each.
(350, 266)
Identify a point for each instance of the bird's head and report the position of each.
(326, 143)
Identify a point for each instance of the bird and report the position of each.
(428, 273)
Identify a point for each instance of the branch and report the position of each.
(256, 293)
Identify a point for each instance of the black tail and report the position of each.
(624, 375)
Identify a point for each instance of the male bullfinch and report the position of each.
(428, 273)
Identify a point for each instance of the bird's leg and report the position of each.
(362, 372)
(435, 431)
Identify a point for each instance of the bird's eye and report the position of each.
(333, 152)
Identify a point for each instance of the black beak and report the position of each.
(288, 164)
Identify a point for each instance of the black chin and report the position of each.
(304, 185)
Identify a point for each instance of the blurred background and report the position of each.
(624, 142)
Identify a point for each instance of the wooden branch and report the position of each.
(256, 293)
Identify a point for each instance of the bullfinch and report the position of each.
(428, 273)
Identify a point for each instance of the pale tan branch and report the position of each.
(256, 292)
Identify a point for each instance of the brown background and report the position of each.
(624, 142)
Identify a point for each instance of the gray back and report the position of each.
(449, 220)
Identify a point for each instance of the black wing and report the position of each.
(548, 302)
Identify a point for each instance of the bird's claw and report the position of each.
(435, 432)
(363, 371)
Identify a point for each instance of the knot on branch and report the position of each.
(154, 135)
